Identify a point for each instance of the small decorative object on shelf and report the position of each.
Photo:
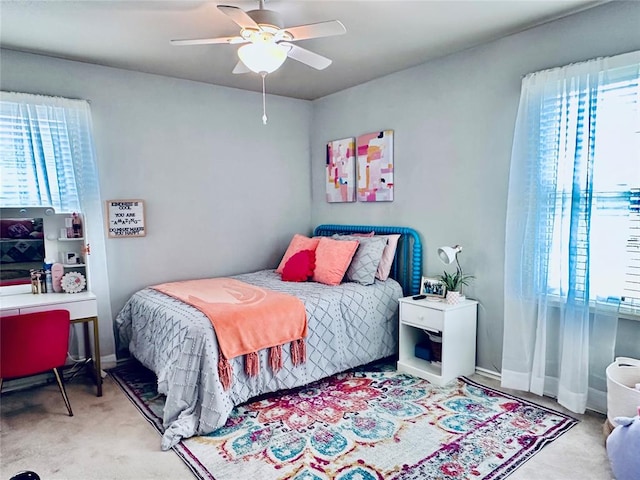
(73, 282)
(48, 278)
(71, 258)
(57, 271)
(76, 223)
(68, 225)
(38, 284)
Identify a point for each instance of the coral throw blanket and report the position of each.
(246, 319)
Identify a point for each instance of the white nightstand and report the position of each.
(458, 326)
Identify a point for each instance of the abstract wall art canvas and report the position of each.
(341, 170)
(375, 167)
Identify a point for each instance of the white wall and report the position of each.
(453, 120)
(223, 193)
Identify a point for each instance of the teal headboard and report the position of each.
(407, 265)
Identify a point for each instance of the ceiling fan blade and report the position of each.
(306, 56)
(239, 16)
(209, 41)
(240, 68)
(315, 30)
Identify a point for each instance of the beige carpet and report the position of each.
(108, 439)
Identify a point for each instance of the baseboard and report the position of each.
(27, 382)
(489, 373)
(597, 404)
(107, 361)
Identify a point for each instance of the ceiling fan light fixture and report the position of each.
(263, 57)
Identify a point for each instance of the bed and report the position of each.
(348, 325)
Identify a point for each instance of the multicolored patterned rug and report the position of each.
(370, 423)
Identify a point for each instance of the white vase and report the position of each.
(452, 297)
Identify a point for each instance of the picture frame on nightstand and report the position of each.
(433, 288)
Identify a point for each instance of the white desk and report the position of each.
(82, 307)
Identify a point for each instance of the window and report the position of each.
(572, 217)
(604, 187)
(37, 146)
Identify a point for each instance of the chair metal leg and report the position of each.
(63, 391)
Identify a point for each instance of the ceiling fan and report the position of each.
(266, 44)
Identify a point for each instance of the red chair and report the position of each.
(34, 343)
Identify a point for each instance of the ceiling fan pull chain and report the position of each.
(264, 102)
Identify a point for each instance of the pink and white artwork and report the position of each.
(341, 170)
(375, 167)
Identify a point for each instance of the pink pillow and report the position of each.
(332, 260)
(298, 243)
(299, 268)
(384, 267)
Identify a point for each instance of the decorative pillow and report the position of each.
(300, 267)
(370, 234)
(332, 260)
(364, 264)
(298, 243)
(387, 256)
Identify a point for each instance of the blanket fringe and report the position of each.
(252, 361)
(224, 372)
(275, 358)
(251, 364)
(298, 351)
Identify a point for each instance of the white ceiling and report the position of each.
(382, 36)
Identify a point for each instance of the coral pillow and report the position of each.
(300, 267)
(384, 267)
(332, 260)
(298, 243)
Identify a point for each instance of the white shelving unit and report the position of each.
(56, 245)
(65, 245)
(457, 323)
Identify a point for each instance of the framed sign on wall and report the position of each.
(125, 218)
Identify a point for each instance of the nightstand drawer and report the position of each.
(422, 317)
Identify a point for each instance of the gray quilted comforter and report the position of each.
(349, 325)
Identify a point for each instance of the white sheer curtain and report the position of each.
(562, 214)
(49, 159)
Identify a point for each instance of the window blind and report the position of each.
(594, 252)
(36, 163)
(631, 293)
